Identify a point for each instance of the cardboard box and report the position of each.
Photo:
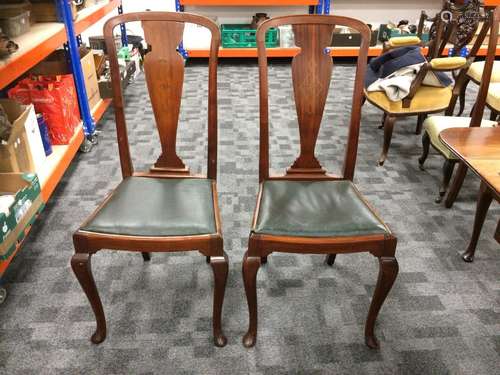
(57, 64)
(47, 11)
(23, 151)
(126, 74)
(27, 204)
(350, 38)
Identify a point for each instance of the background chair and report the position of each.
(308, 210)
(474, 69)
(483, 96)
(422, 100)
(434, 125)
(167, 208)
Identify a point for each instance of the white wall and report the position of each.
(131, 6)
(381, 11)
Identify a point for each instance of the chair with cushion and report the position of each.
(439, 32)
(167, 208)
(422, 100)
(473, 71)
(434, 125)
(493, 99)
(474, 74)
(308, 210)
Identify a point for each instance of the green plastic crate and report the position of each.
(243, 36)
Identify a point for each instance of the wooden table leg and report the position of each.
(456, 185)
(483, 204)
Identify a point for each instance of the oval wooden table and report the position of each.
(479, 149)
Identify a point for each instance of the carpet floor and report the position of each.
(442, 316)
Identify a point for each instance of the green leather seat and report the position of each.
(157, 207)
(315, 209)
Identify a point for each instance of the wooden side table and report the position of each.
(479, 149)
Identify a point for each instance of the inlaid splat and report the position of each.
(164, 70)
(311, 71)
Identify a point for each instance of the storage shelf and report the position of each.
(61, 157)
(290, 52)
(100, 108)
(54, 169)
(4, 264)
(57, 163)
(248, 2)
(44, 38)
(277, 52)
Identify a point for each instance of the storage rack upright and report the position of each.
(34, 46)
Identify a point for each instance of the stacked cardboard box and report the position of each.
(20, 214)
(23, 150)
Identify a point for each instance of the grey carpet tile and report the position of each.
(442, 316)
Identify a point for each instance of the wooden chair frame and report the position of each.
(461, 82)
(436, 48)
(478, 110)
(462, 79)
(312, 69)
(163, 66)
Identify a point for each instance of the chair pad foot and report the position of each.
(372, 342)
(249, 340)
(98, 338)
(220, 340)
(467, 257)
(421, 164)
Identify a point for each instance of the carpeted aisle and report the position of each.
(442, 317)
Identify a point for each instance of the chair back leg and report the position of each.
(456, 185)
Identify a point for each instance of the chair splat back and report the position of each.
(164, 72)
(311, 74)
(493, 23)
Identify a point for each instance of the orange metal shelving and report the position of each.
(290, 52)
(44, 38)
(35, 45)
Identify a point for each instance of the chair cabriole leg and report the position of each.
(330, 259)
(483, 204)
(448, 167)
(81, 265)
(420, 123)
(388, 128)
(220, 266)
(251, 265)
(426, 145)
(456, 185)
(462, 97)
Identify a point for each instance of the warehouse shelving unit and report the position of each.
(321, 7)
(37, 44)
(315, 7)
